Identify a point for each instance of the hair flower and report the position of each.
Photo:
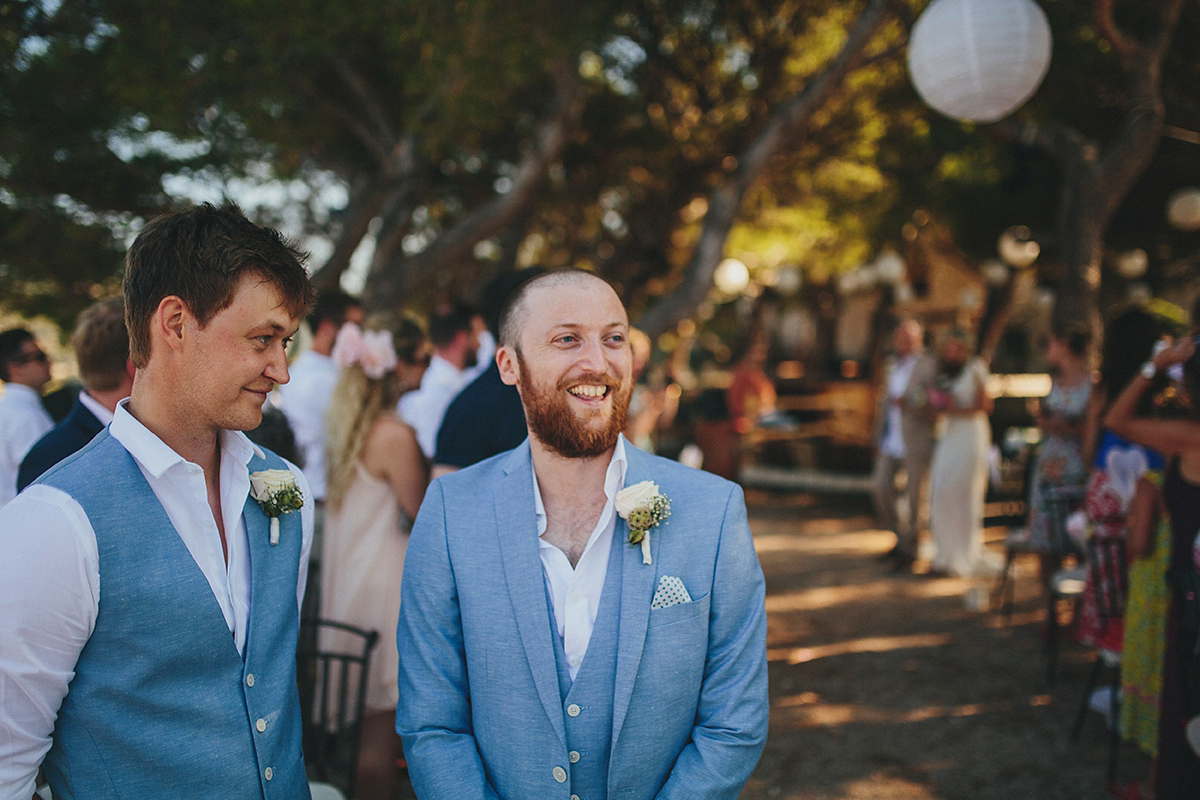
(370, 350)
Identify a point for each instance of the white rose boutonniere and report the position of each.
(642, 506)
(277, 493)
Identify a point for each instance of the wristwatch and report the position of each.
(1149, 370)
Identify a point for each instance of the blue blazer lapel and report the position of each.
(517, 532)
(637, 590)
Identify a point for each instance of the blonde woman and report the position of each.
(376, 481)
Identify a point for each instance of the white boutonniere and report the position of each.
(642, 506)
(277, 493)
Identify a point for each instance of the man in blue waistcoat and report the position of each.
(150, 584)
(580, 619)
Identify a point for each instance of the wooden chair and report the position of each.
(333, 692)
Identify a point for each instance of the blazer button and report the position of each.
(574, 797)
(268, 773)
(560, 775)
(573, 710)
(261, 725)
(250, 679)
(574, 756)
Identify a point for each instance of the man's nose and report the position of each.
(593, 357)
(277, 369)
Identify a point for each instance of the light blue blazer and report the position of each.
(480, 710)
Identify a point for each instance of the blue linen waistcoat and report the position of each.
(590, 695)
(162, 705)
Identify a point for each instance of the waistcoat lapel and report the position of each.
(637, 590)
(516, 527)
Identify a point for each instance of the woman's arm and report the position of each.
(393, 454)
(1167, 436)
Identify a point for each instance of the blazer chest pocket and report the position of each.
(680, 612)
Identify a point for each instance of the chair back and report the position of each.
(1061, 501)
(331, 669)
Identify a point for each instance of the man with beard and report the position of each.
(558, 637)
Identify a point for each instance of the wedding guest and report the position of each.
(457, 349)
(1178, 772)
(653, 405)
(486, 417)
(162, 662)
(305, 398)
(1116, 466)
(1060, 468)
(751, 395)
(958, 477)
(555, 636)
(24, 369)
(377, 478)
(903, 442)
(101, 345)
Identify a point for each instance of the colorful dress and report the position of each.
(1145, 638)
(1059, 462)
(1118, 466)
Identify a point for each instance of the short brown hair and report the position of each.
(101, 344)
(200, 255)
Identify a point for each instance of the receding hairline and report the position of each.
(517, 309)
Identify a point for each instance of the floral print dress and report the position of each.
(1059, 463)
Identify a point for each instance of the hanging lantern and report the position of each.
(979, 59)
(1183, 209)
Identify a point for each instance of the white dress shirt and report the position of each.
(98, 411)
(898, 378)
(23, 421)
(50, 580)
(425, 407)
(575, 591)
(304, 400)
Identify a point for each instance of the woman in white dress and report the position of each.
(377, 478)
(958, 477)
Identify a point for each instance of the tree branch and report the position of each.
(785, 123)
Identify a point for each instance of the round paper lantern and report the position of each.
(1183, 209)
(1132, 263)
(731, 276)
(979, 59)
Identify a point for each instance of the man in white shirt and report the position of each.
(305, 398)
(462, 349)
(556, 638)
(151, 583)
(24, 369)
(101, 345)
(904, 442)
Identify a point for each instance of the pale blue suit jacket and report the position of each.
(480, 710)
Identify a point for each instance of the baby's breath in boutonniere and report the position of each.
(277, 493)
(642, 506)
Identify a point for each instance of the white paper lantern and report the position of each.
(890, 266)
(1132, 263)
(979, 59)
(731, 276)
(1183, 209)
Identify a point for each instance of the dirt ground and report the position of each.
(885, 687)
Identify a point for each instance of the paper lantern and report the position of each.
(1183, 209)
(979, 59)
(1132, 263)
(732, 276)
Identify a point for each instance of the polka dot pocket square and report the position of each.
(670, 592)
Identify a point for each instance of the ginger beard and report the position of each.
(562, 428)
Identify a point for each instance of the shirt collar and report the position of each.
(614, 479)
(93, 405)
(153, 453)
(25, 394)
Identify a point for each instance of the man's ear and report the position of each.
(510, 368)
(169, 321)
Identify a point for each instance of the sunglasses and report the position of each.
(29, 358)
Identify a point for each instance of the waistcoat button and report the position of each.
(268, 773)
(261, 725)
(250, 679)
(560, 775)
(574, 710)
(574, 756)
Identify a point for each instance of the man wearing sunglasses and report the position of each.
(24, 369)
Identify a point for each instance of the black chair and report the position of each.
(333, 692)
(1066, 584)
(1108, 572)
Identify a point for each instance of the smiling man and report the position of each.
(148, 615)
(543, 655)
